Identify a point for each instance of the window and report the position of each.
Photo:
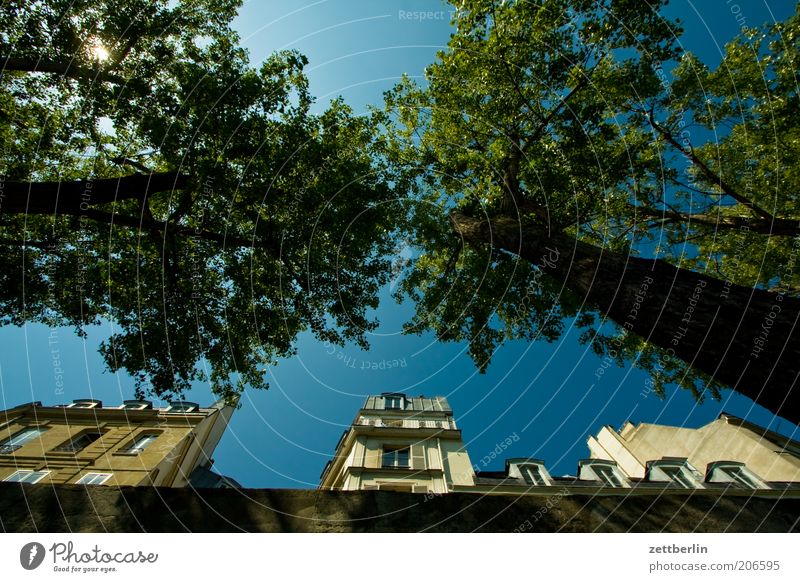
(601, 470)
(137, 405)
(25, 476)
(395, 402)
(85, 403)
(140, 443)
(93, 479)
(396, 457)
(11, 444)
(532, 474)
(737, 474)
(183, 406)
(78, 442)
(677, 472)
(531, 471)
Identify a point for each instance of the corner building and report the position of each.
(86, 443)
(400, 443)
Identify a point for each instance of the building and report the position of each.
(86, 443)
(412, 444)
(727, 449)
(400, 443)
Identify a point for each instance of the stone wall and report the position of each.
(70, 508)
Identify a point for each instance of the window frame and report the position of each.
(130, 449)
(42, 474)
(69, 447)
(393, 399)
(593, 466)
(85, 404)
(182, 407)
(394, 452)
(684, 477)
(8, 446)
(747, 479)
(526, 468)
(93, 475)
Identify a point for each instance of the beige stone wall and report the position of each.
(717, 441)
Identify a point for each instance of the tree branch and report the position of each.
(708, 172)
(34, 65)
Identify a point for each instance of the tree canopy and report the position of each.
(153, 178)
(574, 166)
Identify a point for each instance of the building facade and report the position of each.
(728, 448)
(86, 443)
(412, 444)
(400, 443)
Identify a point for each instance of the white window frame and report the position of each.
(85, 404)
(526, 470)
(148, 437)
(181, 407)
(679, 474)
(39, 475)
(589, 469)
(93, 478)
(734, 473)
(20, 438)
(393, 399)
(139, 405)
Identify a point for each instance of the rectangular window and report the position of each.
(396, 457)
(78, 443)
(678, 476)
(24, 476)
(607, 475)
(393, 402)
(140, 443)
(14, 442)
(532, 474)
(738, 476)
(93, 479)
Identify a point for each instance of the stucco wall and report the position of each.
(46, 508)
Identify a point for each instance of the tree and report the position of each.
(155, 179)
(546, 149)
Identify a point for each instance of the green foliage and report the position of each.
(568, 113)
(281, 227)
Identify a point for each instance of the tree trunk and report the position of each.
(76, 197)
(745, 338)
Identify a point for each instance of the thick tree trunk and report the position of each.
(746, 338)
(77, 197)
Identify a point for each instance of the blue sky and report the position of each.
(550, 395)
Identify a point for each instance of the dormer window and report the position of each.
(733, 473)
(183, 406)
(601, 470)
(137, 405)
(678, 472)
(532, 471)
(394, 402)
(85, 403)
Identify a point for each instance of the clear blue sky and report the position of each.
(545, 393)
